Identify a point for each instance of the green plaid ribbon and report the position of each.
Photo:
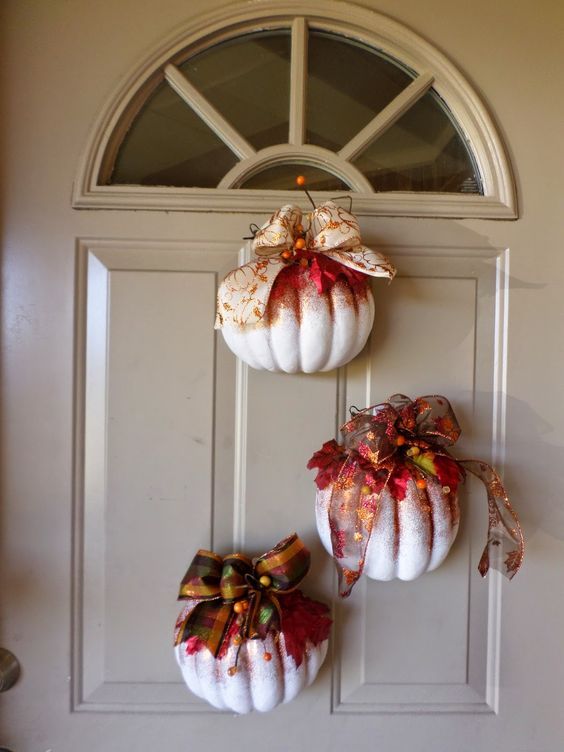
(217, 583)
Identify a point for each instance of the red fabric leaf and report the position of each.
(329, 460)
(398, 481)
(303, 619)
(448, 472)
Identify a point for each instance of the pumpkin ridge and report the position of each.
(397, 534)
(430, 512)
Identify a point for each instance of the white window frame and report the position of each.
(432, 69)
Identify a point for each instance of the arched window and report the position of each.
(350, 99)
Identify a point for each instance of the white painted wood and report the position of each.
(387, 683)
(364, 24)
(298, 82)
(305, 154)
(219, 125)
(387, 117)
(251, 201)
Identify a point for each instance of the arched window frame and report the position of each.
(431, 67)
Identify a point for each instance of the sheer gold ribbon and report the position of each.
(332, 231)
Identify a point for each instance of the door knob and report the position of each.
(9, 670)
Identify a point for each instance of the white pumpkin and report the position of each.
(409, 537)
(304, 330)
(258, 684)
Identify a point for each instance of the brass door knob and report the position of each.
(9, 670)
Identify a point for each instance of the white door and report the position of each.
(133, 437)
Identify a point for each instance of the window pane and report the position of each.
(283, 178)
(422, 151)
(348, 84)
(248, 81)
(168, 144)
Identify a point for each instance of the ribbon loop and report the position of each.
(217, 584)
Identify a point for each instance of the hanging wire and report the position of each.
(347, 195)
(253, 229)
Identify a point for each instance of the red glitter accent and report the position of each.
(448, 472)
(322, 271)
(338, 540)
(398, 482)
(303, 619)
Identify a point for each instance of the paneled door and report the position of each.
(134, 437)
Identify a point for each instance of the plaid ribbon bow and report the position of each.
(416, 434)
(218, 583)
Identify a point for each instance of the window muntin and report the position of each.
(349, 87)
(248, 80)
(282, 177)
(169, 145)
(422, 151)
(348, 84)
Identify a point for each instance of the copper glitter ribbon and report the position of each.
(218, 583)
(333, 234)
(376, 442)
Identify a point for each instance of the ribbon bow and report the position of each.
(383, 441)
(236, 587)
(331, 246)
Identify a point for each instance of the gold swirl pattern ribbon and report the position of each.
(235, 586)
(333, 232)
(396, 433)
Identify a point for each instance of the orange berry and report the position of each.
(299, 229)
(286, 254)
(300, 180)
(299, 244)
(237, 639)
(267, 656)
(232, 671)
(265, 580)
(400, 441)
(239, 607)
(421, 484)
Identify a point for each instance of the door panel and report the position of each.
(431, 645)
(151, 475)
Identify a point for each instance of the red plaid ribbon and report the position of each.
(217, 583)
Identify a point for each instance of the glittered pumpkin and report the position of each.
(387, 501)
(304, 304)
(412, 533)
(247, 639)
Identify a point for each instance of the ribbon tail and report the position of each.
(505, 546)
(351, 518)
(364, 260)
(180, 634)
(243, 295)
(210, 622)
(264, 611)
